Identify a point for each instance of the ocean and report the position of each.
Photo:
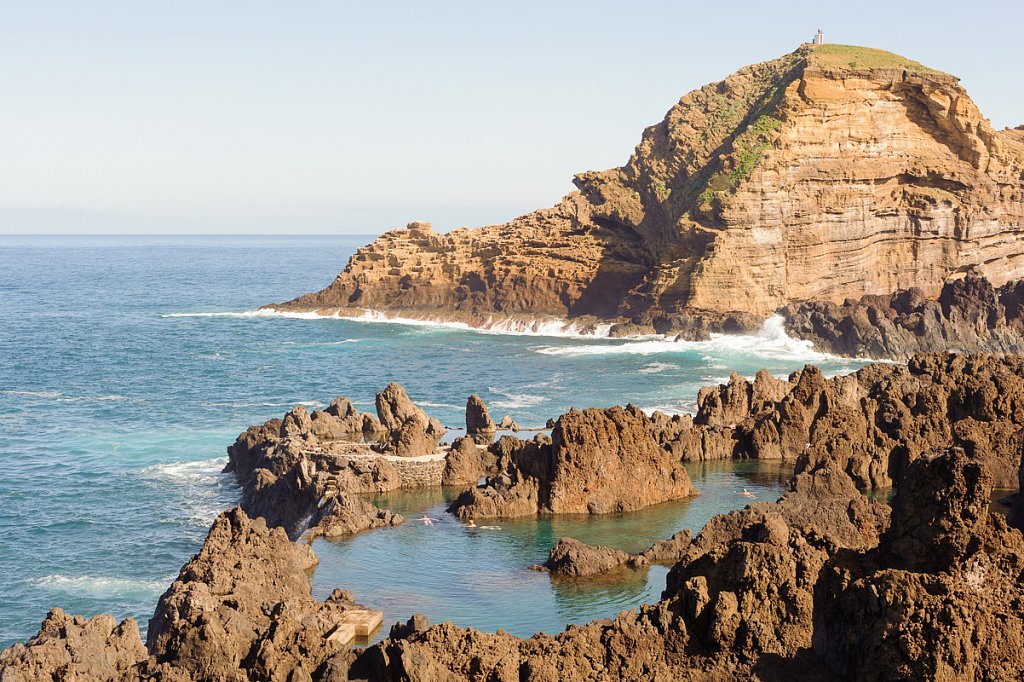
(128, 364)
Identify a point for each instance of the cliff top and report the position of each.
(835, 57)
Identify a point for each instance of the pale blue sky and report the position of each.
(310, 116)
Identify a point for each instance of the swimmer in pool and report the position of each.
(747, 493)
(427, 521)
(472, 524)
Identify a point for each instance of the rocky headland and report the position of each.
(825, 583)
(836, 184)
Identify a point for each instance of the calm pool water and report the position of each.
(480, 578)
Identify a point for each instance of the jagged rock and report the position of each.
(242, 609)
(411, 440)
(876, 421)
(598, 461)
(394, 409)
(74, 648)
(348, 514)
(570, 557)
(478, 419)
(466, 463)
(941, 596)
(669, 551)
(508, 424)
(296, 423)
(416, 624)
(968, 315)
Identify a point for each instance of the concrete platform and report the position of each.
(356, 623)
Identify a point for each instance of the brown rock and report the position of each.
(570, 557)
(73, 648)
(394, 408)
(478, 419)
(748, 196)
(598, 461)
(348, 514)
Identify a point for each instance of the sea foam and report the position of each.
(504, 326)
(770, 342)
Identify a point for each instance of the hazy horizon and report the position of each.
(324, 118)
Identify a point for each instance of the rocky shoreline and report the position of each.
(825, 583)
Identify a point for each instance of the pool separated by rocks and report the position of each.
(481, 577)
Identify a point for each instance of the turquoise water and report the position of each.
(481, 577)
(115, 409)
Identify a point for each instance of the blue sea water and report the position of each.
(128, 364)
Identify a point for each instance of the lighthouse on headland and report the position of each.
(818, 39)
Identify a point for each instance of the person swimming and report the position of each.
(427, 521)
(472, 524)
(747, 493)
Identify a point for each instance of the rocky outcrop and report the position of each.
(478, 419)
(240, 609)
(467, 462)
(290, 468)
(825, 583)
(597, 462)
(349, 514)
(875, 421)
(829, 173)
(940, 598)
(74, 648)
(572, 558)
(969, 315)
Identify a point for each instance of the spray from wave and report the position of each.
(503, 326)
(771, 342)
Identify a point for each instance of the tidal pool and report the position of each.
(480, 578)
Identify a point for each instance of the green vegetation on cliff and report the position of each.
(833, 56)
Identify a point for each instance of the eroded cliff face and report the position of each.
(832, 172)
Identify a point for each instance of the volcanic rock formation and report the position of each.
(874, 422)
(596, 462)
(969, 315)
(830, 173)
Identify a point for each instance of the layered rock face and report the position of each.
(874, 422)
(831, 173)
(596, 462)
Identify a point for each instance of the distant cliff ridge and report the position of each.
(833, 172)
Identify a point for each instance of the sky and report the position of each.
(335, 117)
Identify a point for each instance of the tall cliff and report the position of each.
(830, 173)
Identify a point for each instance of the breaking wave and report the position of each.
(98, 586)
(516, 400)
(770, 342)
(505, 326)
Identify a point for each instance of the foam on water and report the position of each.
(506, 326)
(656, 367)
(771, 342)
(516, 400)
(98, 586)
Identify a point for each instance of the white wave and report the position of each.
(195, 471)
(516, 400)
(35, 394)
(770, 342)
(504, 326)
(98, 586)
(423, 403)
(318, 344)
(657, 367)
